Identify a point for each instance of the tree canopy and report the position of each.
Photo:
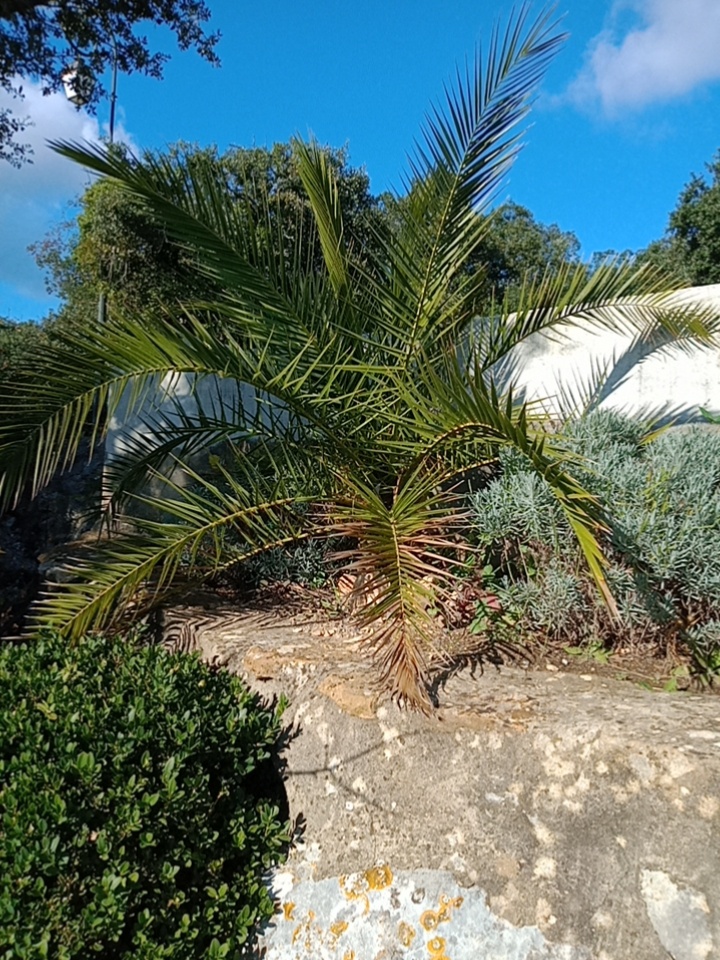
(516, 247)
(691, 245)
(41, 40)
(118, 248)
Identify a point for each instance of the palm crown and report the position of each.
(365, 393)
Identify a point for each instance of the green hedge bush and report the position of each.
(136, 821)
(662, 500)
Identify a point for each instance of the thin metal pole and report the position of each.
(102, 306)
(105, 488)
(113, 92)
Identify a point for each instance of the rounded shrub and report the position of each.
(134, 787)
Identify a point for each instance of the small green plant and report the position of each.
(305, 563)
(594, 650)
(678, 675)
(137, 821)
(491, 616)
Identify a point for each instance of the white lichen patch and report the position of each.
(679, 916)
(555, 791)
(494, 741)
(544, 917)
(413, 915)
(456, 838)
(580, 786)
(644, 770)
(559, 767)
(389, 733)
(702, 734)
(544, 836)
(359, 785)
(678, 765)
(708, 807)
(602, 920)
(324, 734)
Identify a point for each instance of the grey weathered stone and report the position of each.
(578, 818)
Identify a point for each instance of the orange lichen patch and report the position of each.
(338, 928)
(288, 909)
(379, 877)
(436, 947)
(307, 932)
(355, 887)
(447, 904)
(406, 934)
(349, 955)
(429, 920)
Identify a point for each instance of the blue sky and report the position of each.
(629, 109)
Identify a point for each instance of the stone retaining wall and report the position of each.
(535, 816)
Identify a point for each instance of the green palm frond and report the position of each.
(467, 149)
(460, 413)
(201, 528)
(616, 296)
(56, 403)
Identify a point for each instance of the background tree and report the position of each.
(691, 245)
(19, 342)
(518, 248)
(40, 40)
(117, 245)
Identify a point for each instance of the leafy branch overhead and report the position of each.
(39, 41)
(349, 396)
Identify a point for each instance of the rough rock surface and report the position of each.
(535, 816)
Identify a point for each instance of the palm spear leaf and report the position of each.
(319, 182)
(467, 150)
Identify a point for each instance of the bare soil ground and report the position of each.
(321, 612)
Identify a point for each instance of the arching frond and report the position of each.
(205, 527)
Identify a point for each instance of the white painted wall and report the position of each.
(675, 379)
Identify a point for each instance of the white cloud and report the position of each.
(671, 52)
(37, 195)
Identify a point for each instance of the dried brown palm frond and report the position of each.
(401, 571)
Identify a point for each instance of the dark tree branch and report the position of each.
(39, 39)
(10, 8)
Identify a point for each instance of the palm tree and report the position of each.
(365, 394)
